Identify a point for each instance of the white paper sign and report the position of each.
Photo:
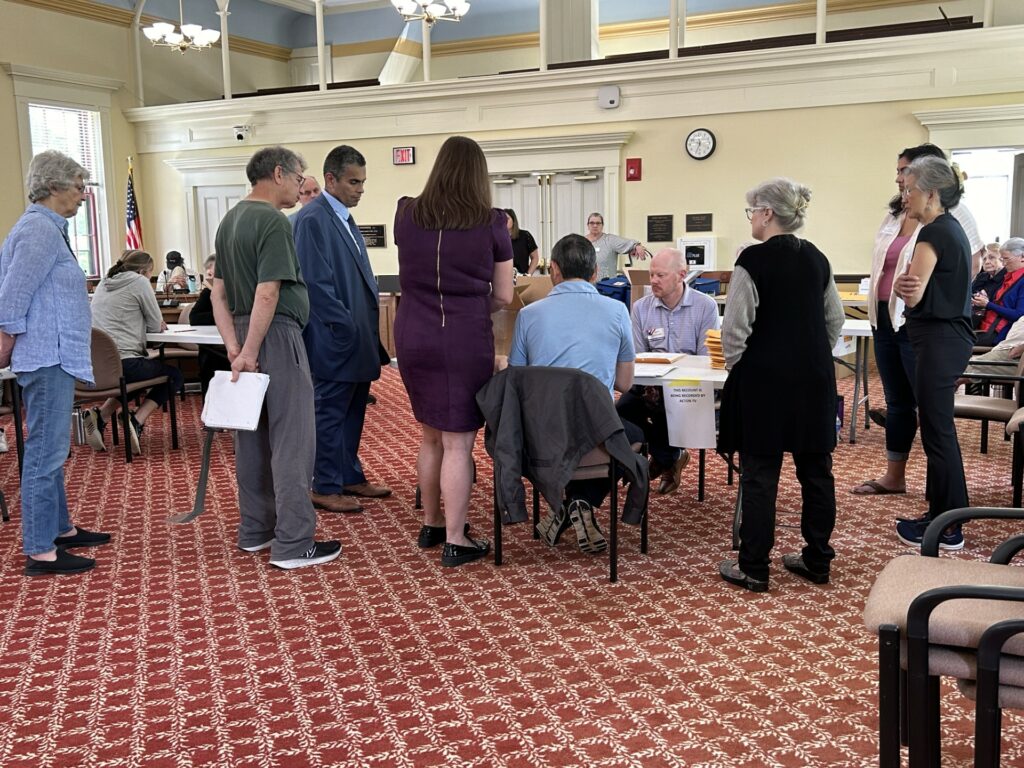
(690, 412)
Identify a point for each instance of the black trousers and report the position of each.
(759, 482)
(650, 417)
(942, 355)
(594, 491)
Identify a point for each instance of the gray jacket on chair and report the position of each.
(540, 422)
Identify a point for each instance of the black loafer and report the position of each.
(730, 571)
(82, 538)
(795, 564)
(65, 563)
(454, 554)
(432, 535)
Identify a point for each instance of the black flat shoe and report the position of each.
(65, 563)
(432, 535)
(795, 564)
(730, 571)
(454, 554)
(82, 538)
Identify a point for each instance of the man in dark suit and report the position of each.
(342, 337)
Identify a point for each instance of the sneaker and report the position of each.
(552, 525)
(258, 547)
(94, 425)
(3, 441)
(66, 563)
(588, 535)
(911, 533)
(321, 552)
(135, 434)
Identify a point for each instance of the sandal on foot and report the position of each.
(876, 489)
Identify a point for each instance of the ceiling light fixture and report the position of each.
(182, 38)
(431, 10)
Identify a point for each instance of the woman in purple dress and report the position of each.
(454, 267)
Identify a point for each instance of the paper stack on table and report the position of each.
(659, 357)
(714, 344)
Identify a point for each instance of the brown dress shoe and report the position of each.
(367, 490)
(670, 480)
(334, 502)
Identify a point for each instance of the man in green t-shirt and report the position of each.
(261, 305)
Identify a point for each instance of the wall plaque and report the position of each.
(374, 234)
(698, 222)
(659, 228)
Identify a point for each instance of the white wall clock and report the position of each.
(700, 144)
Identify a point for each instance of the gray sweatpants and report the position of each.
(274, 464)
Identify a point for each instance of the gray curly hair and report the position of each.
(51, 171)
(787, 198)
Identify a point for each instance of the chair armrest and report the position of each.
(1006, 551)
(921, 608)
(991, 376)
(930, 542)
(990, 647)
(1013, 425)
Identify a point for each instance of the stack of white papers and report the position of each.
(651, 370)
(235, 405)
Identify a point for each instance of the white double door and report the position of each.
(551, 205)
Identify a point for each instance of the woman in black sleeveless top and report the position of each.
(782, 318)
(937, 292)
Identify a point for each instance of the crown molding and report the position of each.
(21, 73)
(556, 143)
(222, 163)
(121, 17)
(975, 127)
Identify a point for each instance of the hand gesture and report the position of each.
(905, 285)
(243, 363)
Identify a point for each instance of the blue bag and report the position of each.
(615, 288)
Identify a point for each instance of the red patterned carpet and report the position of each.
(180, 650)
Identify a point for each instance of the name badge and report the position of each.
(656, 334)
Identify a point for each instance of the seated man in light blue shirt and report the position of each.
(671, 319)
(576, 327)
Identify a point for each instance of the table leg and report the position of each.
(857, 357)
(701, 459)
(204, 476)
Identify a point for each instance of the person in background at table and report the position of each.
(261, 304)
(574, 326)
(310, 190)
(454, 264)
(525, 255)
(124, 306)
(1002, 310)
(609, 247)
(672, 318)
(176, 277)
(780, 396)
(343, 334)
(894, 355)
(988, 280)
(45, 339)
(211, 358)
(936, 290)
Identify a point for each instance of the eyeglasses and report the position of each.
(300, 176)
(750, 211)
(908, 189)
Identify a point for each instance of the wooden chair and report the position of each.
(109, 375)
(924, 632)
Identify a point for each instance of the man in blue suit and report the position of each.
(342, 337)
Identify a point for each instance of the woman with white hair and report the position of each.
(45, 330)
(937, 291)
(781, 321)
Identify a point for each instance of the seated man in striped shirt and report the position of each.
(672, 318)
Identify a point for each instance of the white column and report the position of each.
(426, 51)
(137, 49)
(988, 15)
(819, 23)
(543, 28)
(225, 60)
(673, 29)
(321, 62)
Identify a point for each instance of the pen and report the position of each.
(185, 330)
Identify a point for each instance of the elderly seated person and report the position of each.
(124, 306)
(1007, 305)
(671, 319)
(988, 280)
(576, 327)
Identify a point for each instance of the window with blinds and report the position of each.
(76, 133)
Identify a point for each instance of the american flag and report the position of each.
(133, 236)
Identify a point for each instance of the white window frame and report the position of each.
(72, 90)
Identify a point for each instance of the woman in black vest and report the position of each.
(782, 318)
(937, 292)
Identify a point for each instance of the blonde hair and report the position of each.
(131, 261)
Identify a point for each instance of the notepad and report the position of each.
(651, 370)
(659, 357)
(235, 405)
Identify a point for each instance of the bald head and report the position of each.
(310, 190)
(668, 271)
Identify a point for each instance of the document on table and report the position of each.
(235, 405)
(651, 370)
(690, 413)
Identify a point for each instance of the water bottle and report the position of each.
(191, 283)
(839, 427)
